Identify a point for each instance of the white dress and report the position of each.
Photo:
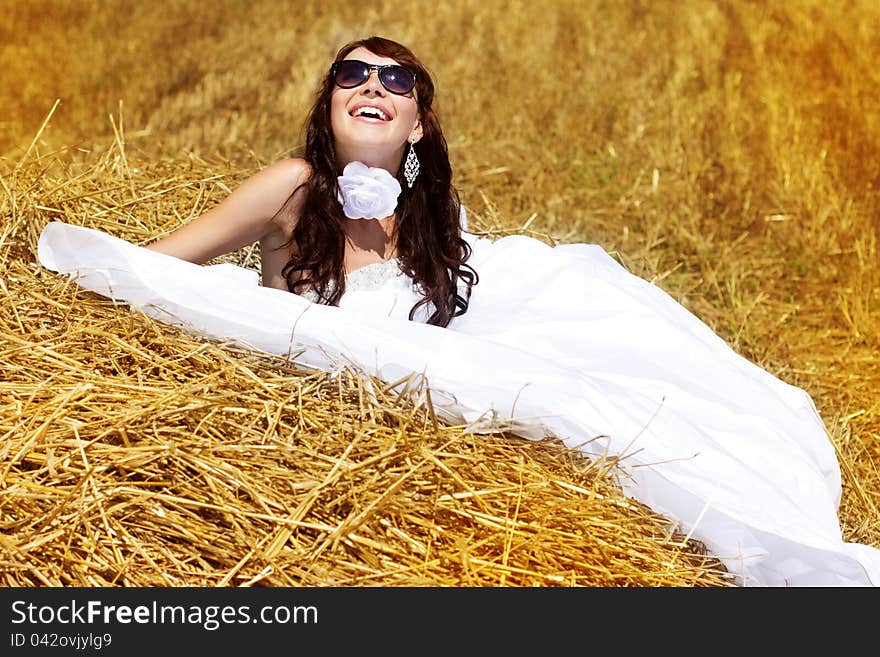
(557, 341)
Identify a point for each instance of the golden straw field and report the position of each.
(729, 151)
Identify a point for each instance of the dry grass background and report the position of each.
(726, 150)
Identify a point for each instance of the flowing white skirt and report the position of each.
(558, 341)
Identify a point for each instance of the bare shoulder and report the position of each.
(286, 175)
(292, 170)
(275, 183)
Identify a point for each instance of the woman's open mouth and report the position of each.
(370, 113)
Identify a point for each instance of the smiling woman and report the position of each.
(374, 107)
(548, 341)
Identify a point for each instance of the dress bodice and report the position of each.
(369, 277)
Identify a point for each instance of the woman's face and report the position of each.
(355, 127)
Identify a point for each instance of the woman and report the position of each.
(578, 348)
(374, 106)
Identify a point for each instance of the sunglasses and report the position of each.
(397, 79)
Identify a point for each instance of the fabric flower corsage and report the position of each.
(367, 192)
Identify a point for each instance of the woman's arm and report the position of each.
(242, 218)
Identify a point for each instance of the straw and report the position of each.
(736, 170)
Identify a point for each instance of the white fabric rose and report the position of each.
(367, 192)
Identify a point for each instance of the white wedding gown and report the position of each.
(558, 341)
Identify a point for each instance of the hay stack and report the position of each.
(729, 154)
(136, 455)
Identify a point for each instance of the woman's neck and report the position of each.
(390, 161)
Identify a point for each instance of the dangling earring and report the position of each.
(411, 166)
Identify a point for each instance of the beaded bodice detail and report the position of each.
(369, 277)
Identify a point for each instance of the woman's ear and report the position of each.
(417, 132)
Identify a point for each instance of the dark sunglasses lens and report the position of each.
(351, 73)
(397, 79)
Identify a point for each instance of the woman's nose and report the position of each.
(373, 84)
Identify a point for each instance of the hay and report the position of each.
(137, 455)
(722, 167)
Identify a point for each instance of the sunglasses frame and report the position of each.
(379, 68)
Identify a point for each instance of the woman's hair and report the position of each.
(428, 228)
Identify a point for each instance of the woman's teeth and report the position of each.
(371, 113)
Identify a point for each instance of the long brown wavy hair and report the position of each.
(430, 246)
